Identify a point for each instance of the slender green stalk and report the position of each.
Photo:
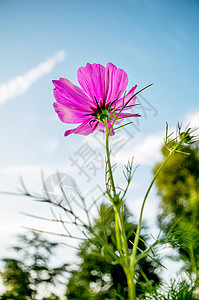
(127, 261)
(122, 232)
(122, 243)
(118, 236)
(130, 270)
(119, 225)
(114, 196)
(131, 285)
(109, 162)
(137, 235)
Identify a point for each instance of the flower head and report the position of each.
(99, 101)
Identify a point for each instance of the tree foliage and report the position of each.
(24, 276)
(178, 186)
(96, 278)
(17, 281)
(176, 290)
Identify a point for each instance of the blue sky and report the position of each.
(153, 41)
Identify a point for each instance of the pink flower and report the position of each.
(99, 100)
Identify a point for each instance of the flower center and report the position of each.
(102, 113)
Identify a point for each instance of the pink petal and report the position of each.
(91, 78)
(67, 93)
(101, 127)
(71, 105)
(116, 81)
(70, 115)
(130, 94)
(83, 129)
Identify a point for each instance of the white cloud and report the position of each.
(52, 144)
(17, 169)
(147, 150)
(20, 84)
(192, 118)
(30, 170)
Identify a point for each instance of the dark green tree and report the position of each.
(96, 278)
(23, 276)
(16, 279)
(178, 186)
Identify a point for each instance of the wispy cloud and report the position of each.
(20, 84)
(146, 151)
(192, 118)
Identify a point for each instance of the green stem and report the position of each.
(137, 235)
(131, 285)
(122, 244)
(133, 261)
(117, 234)
(109, 162)
(119, 224)
(122, 233)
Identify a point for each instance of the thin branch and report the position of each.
(54, 233)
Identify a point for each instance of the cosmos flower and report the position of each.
(100, 99)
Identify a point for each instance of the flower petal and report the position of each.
(91, 78)
(70, 115)
(67, 93)
(101, 127)
(123, 100)
(116, 81)
(83, 129)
